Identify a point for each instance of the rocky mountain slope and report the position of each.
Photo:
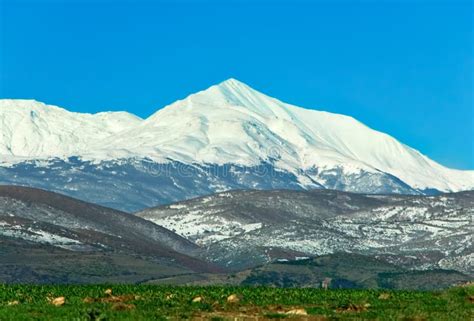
(226, 137)
(245, 228)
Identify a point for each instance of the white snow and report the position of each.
(177, 206)
(203, 226)
(227, 123)
(30, 129)
(36, 235)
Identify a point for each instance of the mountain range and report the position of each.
(277, 238)
(226, 137)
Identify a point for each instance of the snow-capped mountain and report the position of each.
(232, 123)
(230, 128)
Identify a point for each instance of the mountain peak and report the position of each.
(232, 82)
(232, 92)
(234, 85)
(228, 93)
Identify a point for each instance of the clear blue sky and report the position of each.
(402, 67)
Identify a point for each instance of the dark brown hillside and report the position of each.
(42, 221)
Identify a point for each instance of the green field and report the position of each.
(147, 302)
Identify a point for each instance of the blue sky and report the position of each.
(402, 67)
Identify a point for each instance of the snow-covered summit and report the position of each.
(31, 129)
(227, 94)
(228, 123)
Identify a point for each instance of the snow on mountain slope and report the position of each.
(30, 129)
(242, 228)
(229, 123)
(232, 123)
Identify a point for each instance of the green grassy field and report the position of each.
(146, 302)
